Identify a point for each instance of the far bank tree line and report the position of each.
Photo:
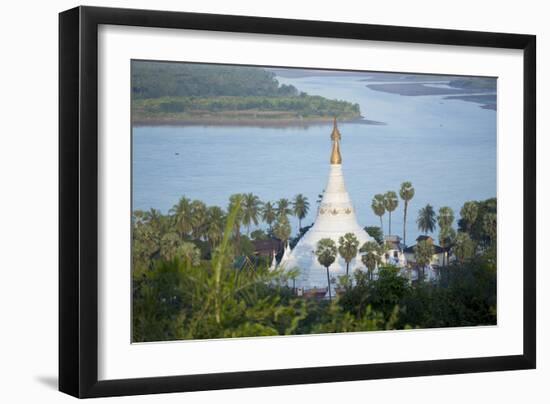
(165, 90)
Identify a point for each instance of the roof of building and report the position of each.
(266, 247)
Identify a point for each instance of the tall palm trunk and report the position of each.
(347, 268)
(328, 283)
(389, 227)
(405, 223)
(381, 224)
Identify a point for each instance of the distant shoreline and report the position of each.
(419, 89)
(262, 123)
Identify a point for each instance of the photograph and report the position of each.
(281, 201)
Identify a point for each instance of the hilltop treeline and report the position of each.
(161, 79)
(186, 92)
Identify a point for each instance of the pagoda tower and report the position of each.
(335, 217)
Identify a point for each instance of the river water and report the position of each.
(446, 148)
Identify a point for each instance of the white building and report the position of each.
(394, 255)
(336, 217)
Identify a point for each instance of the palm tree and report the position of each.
(215, 225)
(423, 253)
(371, 256)
(445, 221)
(406, 193)
(426, 219)
(269, 214)
(282, 229)
(300, 207)
(198, 218)
(490, 226)
(182, 215)
(283, 207)
(464, 247)
(138, 217)
(189, 253)
(446, 217)
(326, 255)
(447, 236)
(169, 244)
(154, 218)
(251, 210)
(378, 208)
(235, 206)
(390, 203)
(347, 248)
(469, 214)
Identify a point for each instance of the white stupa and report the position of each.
(335, 217)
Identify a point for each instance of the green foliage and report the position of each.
(464, 296)
(251, 207)
(383, 294)
(340, 320)
(215, 224)
(282, 228)
(447, 237)
(390, 204)
(250, 107)
(464, 248)
(348, 246)
(447, 234)
(469, 214)
(283, 207)
(175, 301)
(423, 253)
(326, 252)
(426, 219)
(378, 207)
(198, 219)
(490, 227)
(269, 213)
(446, 217)
(179, 91)
(371, 256)
(159, 79)
(300, 207)
(376, 233)
(185, 284)
(481, 83)
(259, 234)
(482, 230)
(406, 192)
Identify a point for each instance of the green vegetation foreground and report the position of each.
(178, 296)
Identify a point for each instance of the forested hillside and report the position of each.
(165, 92)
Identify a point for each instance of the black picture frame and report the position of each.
(78, 201)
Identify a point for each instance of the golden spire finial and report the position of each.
(335, 132)
(335, 157)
